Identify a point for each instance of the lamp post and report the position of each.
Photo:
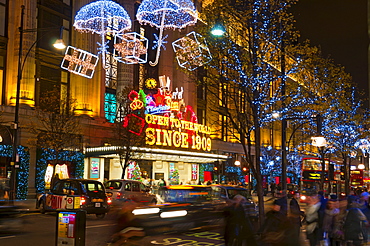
(320, 142)
(14, 127)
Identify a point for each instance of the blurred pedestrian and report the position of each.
(338, 227)
(330, 214)
(127, 225)
(353, 225)
(273, 188)
(282, 201)
(162, 183)
(312, 219)
(238, 227)
(294, 219)
(273, 229)
(364, 207)
(54, 180)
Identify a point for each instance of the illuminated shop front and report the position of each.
(68, 164)
(176, 144)
(162, 163)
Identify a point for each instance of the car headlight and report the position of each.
(140, 211)
(172, 214)
(303, 198)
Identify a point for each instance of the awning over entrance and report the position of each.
(157, 154)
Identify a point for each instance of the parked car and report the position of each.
(184, 207)
(225, 192)
(122, 190)
(74, 194)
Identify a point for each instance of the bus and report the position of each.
(311, 176)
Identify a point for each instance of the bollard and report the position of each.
(70, 228)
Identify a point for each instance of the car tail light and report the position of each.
(83, 200)
(118, 195)
(109, 201)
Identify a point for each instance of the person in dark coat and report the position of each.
(238, 227)
(353, 225)
(294, 220)
(365, 209)
(54, 180)
(273, 189)
(282, 201)
(312, 219)
(273, 229)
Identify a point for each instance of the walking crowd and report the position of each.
(327, 222)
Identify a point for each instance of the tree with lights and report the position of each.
(244, 78)
(175, 177)
(56, 126)
(135, 171)
(327, 87)
(258, 69)
(128, 128)
(346, 125)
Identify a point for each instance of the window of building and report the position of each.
(2, 17)
(110, 106)
(4, 161)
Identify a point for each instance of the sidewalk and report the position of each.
(28, 205)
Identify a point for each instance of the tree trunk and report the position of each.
(346, 175)
(258, 174)
(123, 166)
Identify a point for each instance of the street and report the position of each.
(40, 229)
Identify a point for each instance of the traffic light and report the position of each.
(342, 171)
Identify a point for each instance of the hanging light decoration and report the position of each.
(130, 48)
(191, 51)
(166, 14)
(79, 62)
(102, 17)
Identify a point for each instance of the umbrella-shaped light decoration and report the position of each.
(102, 17)
(166, 14)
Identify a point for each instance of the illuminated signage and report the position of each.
(177, 133)
(168, 121)
(314, 176)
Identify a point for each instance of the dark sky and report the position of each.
(340, 28)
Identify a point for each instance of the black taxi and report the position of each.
(74, 194)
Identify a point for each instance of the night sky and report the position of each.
(339, 27)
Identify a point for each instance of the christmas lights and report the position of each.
(79, 62)
(191, 51)
(45, 156)
(110, 107)
(102, 17)
(166, 14)
(130, 48)
(22, 171)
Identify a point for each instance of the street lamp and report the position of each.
(218, 30)
(14, 125)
